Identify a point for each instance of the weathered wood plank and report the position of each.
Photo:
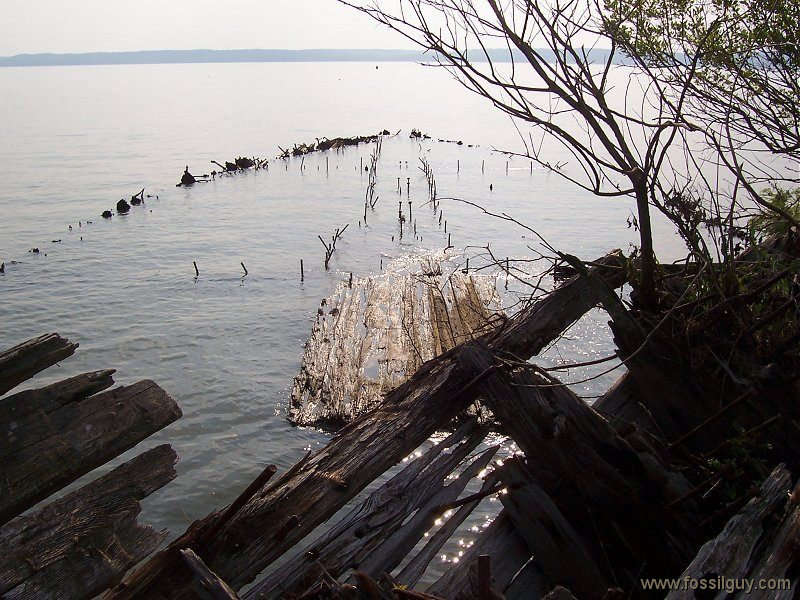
(24, 360)
(442, 388)
(734, 552)
(207, 585)
(582, 463)
(45, 400)
(79, 437)
(78, 545)
(415, 568)
(559, 549)
(399, 543)
(360, 533)
(58, 404)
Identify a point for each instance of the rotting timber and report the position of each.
(82, 543)
(597, 501)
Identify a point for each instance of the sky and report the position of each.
(113, 25)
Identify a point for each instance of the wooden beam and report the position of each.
(45, 400)
(207, 585)
(78, 545)
(76, 439)
(23, 361)
(761, 540)
(358, 535)
(560, 550)
(601, 484)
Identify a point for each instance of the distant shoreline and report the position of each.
(150, 57)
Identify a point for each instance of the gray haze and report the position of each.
(114, 25)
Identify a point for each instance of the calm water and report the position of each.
(76, 139)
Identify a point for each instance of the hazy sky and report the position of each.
(108, 25)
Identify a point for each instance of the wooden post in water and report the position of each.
(245, 268)
(350, 283)
(449, 245)
(196, 271)
(482, 166)
(302, 275)
(409, 210)
(408, 184)
(458, 166)
(506, 167)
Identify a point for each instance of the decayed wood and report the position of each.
(359, 534)
(370, 336)
(78, 545)
(734, 553)
(582, 463)
(270, 523)
(45, 400)
(77, 438)
(560, 550)
(206, 584)
(507, 552)
(23, 361)
(399, 543)
(416, 567)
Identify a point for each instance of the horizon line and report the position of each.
(209, 55)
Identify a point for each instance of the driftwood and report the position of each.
(79, 545)
(759, 543)
(22, 362)
(270, 522)
(362, 533)
(49, 453)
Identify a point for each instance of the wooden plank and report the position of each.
(507, 552)
(37, 411)
(415, 568)
(360, 533)
(45, 400)
(78, 545)
(443, 387)
(560, 550)
(581, 462)
(736, 549)
(79, 437)
(207, 585)
(24, 360)
(396, 546)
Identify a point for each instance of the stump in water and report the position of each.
(370, 338)
(187, 178)
(123, 207)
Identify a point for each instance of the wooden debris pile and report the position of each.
(82, 543)
(371, 337)
(324, 144)
(598, 501)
